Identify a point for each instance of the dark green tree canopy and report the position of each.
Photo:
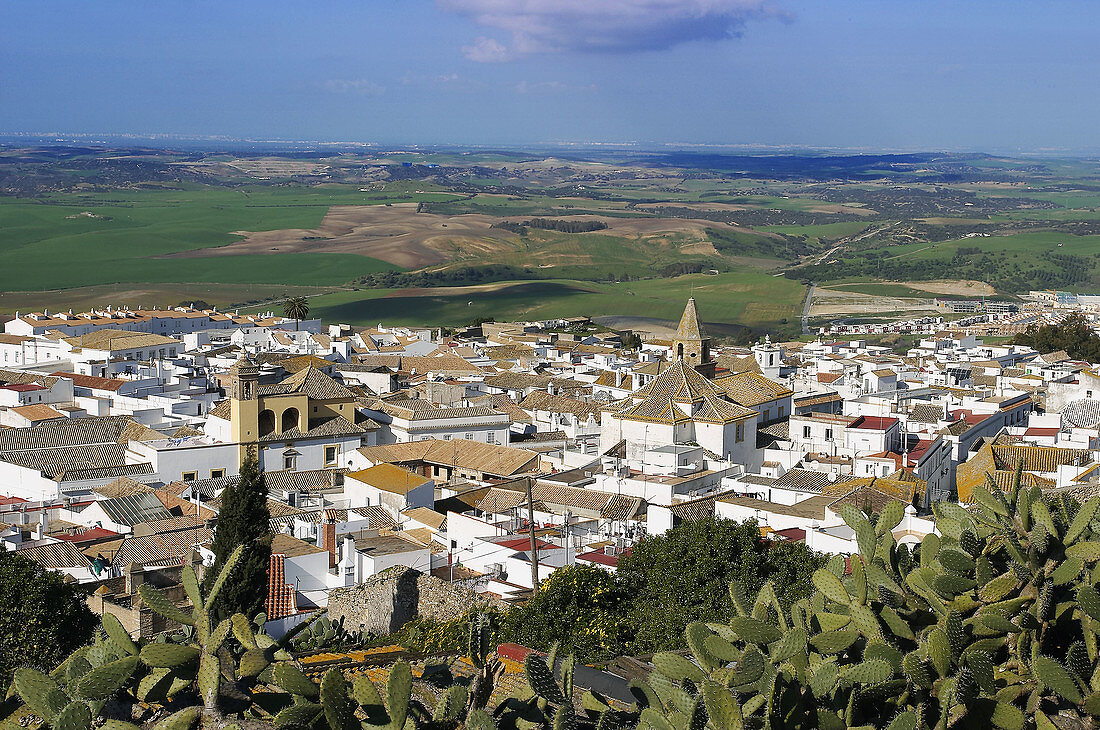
(583, 607)
(684, 575)
(42, 618)
(243, 520)
(1074, 335)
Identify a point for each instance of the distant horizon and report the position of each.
(163, 140)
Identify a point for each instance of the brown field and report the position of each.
(956, 287)
(836, 303)
(399, 235)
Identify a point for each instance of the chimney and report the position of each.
(328, 539)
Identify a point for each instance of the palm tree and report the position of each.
(296, 307)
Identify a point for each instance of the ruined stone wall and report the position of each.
(389, 600)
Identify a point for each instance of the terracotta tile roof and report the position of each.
(113, 340)
(752, 389)
(809, 508)
(312, 383)
(222, 409)
(21, 377)
(56, 556)
(122, 487)
(554, 497)
(70, 432)
(281, 598)
(695, 509)
(543, 401)
(926, 413)
(486, 458)
(54, 462)
(338, 426)
(92, 382)
(738, 363)
(389, 478)
(292, 547)
(37, 412)
(501, 402)
(163, 548)
(426, 516)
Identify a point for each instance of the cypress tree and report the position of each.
(243, 520)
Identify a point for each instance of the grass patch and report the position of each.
(747, 297)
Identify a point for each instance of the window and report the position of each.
(469, 437)
(288, 462)
(805, 432)
(217, 473)
(190, 476)
(828, 434)
(780, 414)
(740, 435)
(331, 453)
(491, 438)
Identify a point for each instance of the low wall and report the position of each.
(388, 601)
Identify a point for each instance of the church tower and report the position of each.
(244, 379)
(691, 344)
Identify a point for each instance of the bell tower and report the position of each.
(691, 344)
(244, 379)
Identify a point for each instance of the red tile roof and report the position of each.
(91, 534)
(793, 534)
(22, 387)
(601, 558)
(1036, 431)
(874, 423)
(91, 381)
(524, 543)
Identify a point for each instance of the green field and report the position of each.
(48, 243)
(83, 227)
(747, 297)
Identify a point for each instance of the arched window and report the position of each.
(680, 350)
(267, 422)
(290, 419)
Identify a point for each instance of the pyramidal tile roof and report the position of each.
(690, 328)
(680, 382)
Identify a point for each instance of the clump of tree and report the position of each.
(666, 582)
(681, 576)
(1074, 335)
(42, 618)
(463, 276)
(512, 227)
(686, 267)
(564, 226)
(243, 520)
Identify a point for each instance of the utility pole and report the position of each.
(531, 530)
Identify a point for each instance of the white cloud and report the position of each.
(610, 26)
(365, 87)
(551, 87)
(486, 50)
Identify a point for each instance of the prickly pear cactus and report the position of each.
(993, 623)
(75, 695)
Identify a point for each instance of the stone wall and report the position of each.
(386, 602)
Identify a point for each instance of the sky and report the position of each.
(983, 75)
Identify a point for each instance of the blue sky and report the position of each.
(872, 74)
